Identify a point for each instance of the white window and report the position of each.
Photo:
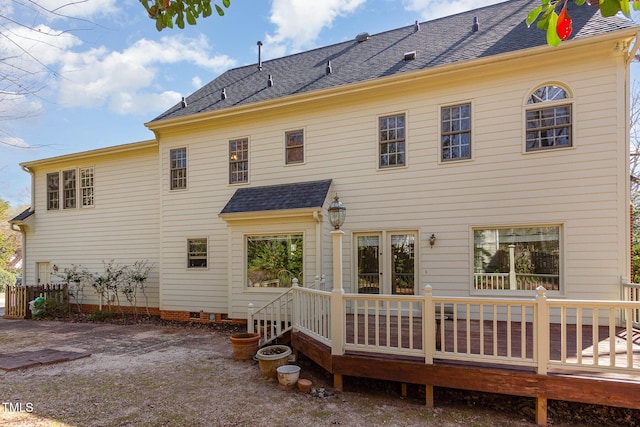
(391, 141)
(274, 261)
(197, 253)
(53, 191)
(69, 189)
(517, 258)
(548, 119)
(178, 168)
(86, 186)
(238, 161)
(455, 133)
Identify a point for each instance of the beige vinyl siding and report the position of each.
(122, 226)
(582, 188)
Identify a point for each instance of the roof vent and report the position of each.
(259, 55)
(476, 25)
(223, 94)
(184, 102)
(270, 81)
(362, 37)
(416, 27)
(329, 69)
(408, 56)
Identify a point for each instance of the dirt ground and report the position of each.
(178, 375)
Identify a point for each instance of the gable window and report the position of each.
(86, 186)
(197, 253)
(238, 161)
(53, 191)
(517, 259)
(274, 261)
(548, 119)
(455, 132)
(294, 146)
(178, 168)
(392, 141)
(69, 189)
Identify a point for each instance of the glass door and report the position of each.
(403, 264)
(368, 263)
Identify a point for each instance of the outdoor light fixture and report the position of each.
(432, 240)
(337, 213)
(55, 268)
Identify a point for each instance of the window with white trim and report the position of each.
(197, 253)
(294, 147)
(53, 191)
(455, 132)
(86, 186)
(239, 161)
(178, 168)
(69, 189)
(391, 141)
(517, 258)
(548, 119)
(274, 261)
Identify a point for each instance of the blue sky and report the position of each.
(107, 70)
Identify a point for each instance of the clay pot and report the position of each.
(270, 358)
(304, 385)
(245, 345)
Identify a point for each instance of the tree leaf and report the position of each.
(552, 36)
(219, 10)
(625, 7)
(579, 2)
(226, 3)
(609, 8)
(190, 18)
(533, 15)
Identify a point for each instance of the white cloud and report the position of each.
(196, 82)
(432, 9)
(126, 81)
(55, 9)
(12, 141)
(299, 22)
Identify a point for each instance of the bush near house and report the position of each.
(6, 279)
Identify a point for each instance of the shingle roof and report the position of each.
(299, 195)
(22, 215)
(442, 41)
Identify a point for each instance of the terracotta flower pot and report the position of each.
(245, 345)
(271, 358)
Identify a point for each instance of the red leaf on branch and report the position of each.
(563, 28)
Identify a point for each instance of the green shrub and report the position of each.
(101, 315)
(49, 308)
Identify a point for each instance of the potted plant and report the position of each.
(270, 358)
(245, 345)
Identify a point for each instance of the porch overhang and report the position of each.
(277, 201)
(22, 220)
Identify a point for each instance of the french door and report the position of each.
(386, 262)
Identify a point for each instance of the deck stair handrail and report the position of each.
(273, 319)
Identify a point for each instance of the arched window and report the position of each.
(548, 119)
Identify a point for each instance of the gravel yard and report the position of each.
(150, 374)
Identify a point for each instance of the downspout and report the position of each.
(22, 229)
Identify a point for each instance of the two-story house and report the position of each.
(470, 156)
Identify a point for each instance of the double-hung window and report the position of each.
(294, 146)
(197, 253)
(86, 186)
(391, 141)
(178, 168)
(455, 132)
(69, 189)
(548, 119)
(53, 191)
(238, 161)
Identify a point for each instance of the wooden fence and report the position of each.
(17, 298)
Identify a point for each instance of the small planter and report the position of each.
(271, 358)
(245, 345)
(288, 375)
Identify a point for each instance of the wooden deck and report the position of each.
(577, 385)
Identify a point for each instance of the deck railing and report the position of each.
(273, 319)
(538, 333)
(631, 292)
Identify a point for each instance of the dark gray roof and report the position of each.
(438, 42)
(22, 215)
(299, 195)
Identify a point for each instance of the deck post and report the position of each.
(428, 326)
(541, 336)
(337, 306)
(250, 318)
(541, 411)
